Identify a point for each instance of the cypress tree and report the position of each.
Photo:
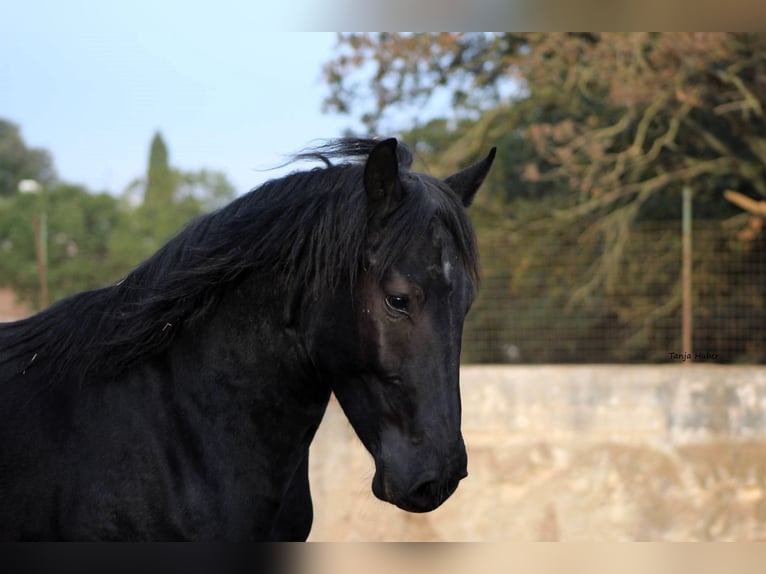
(160, 181)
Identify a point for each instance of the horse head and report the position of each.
(396, 375)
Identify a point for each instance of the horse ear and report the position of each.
(467, 182)
(381, 178)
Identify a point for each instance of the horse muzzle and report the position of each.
(423, 490)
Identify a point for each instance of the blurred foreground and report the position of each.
(589, 453)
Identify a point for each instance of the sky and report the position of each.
(92, 81)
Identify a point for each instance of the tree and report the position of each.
(95, 239)
(639, 114)
(80, 227)
(18, 162)
(161, 183)
(408, 69)
(171, 198)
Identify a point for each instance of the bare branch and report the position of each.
(749, 205)
(749, 100)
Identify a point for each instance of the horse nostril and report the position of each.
(425, 490)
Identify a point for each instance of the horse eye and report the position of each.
(398, 303)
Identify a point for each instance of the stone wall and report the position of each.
(593, 452)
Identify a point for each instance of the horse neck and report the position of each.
(244, 353)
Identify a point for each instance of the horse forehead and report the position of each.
(446, 264)
(451, 264)
(438, 246)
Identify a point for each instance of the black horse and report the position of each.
(181, 402)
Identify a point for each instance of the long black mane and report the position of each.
(305, 232)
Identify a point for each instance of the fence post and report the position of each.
(686, 274)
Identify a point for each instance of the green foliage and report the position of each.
(18, 162)
(172, 198)
(80, 227)
(94, 239)
(206, 188)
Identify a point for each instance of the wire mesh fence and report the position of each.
(548, 298)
